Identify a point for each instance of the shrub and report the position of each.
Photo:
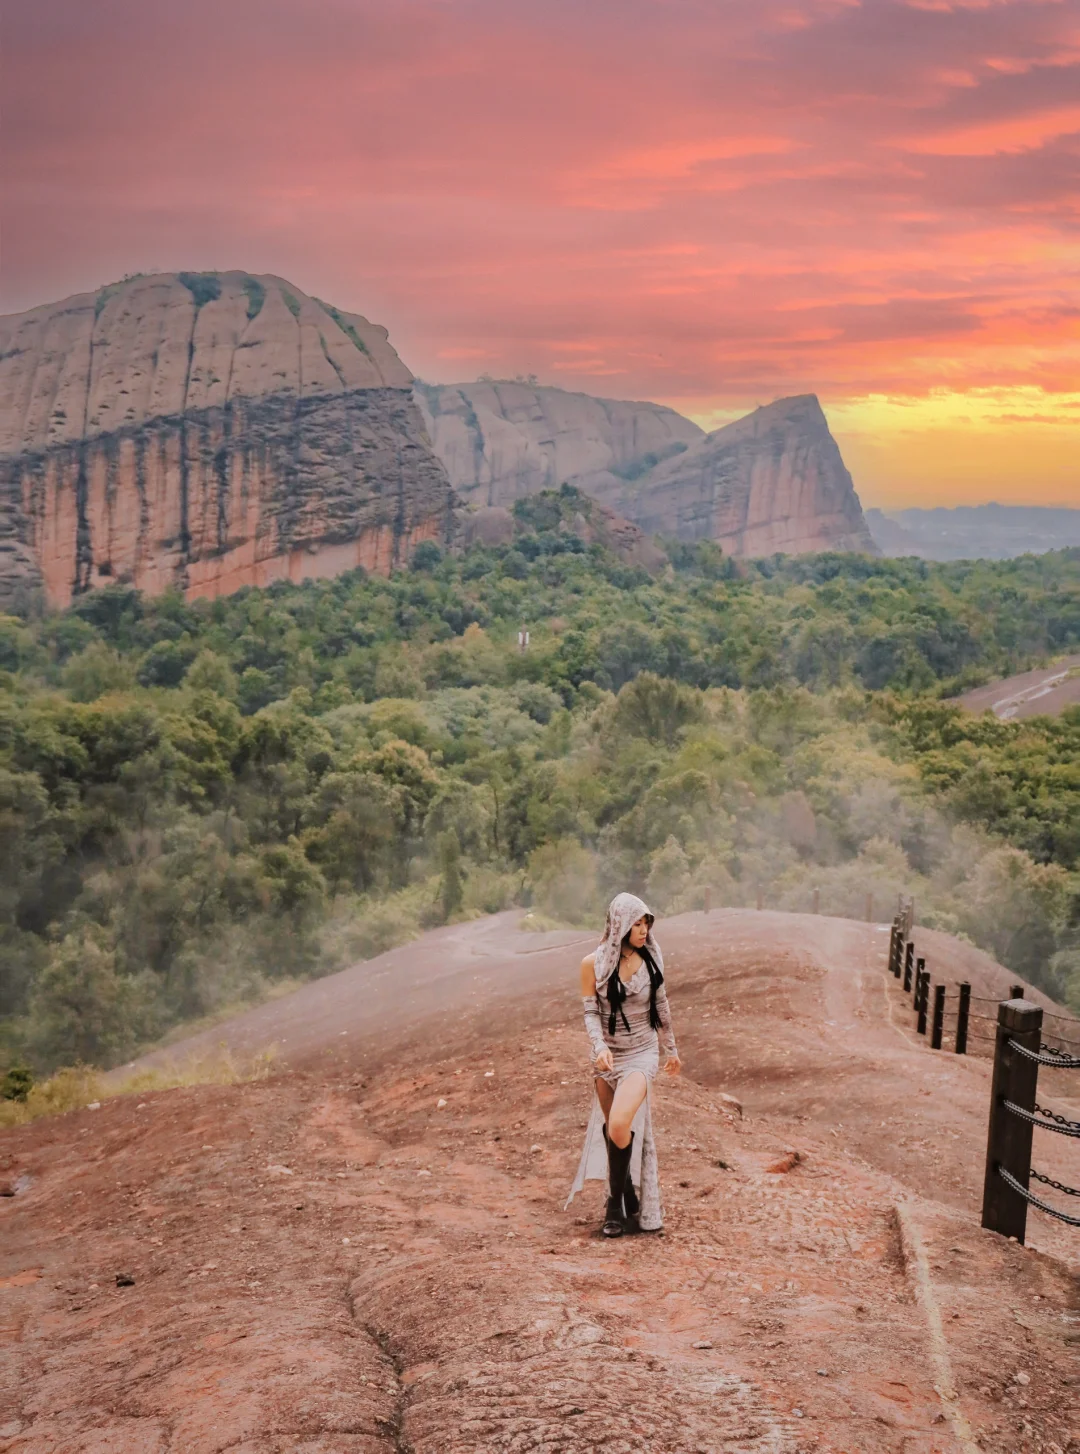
(203, 287)
(256, 296)
(16, 1083)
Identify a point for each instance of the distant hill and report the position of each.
(968, 532)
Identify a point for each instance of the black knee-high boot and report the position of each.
(630, 1196)
(618, 1166)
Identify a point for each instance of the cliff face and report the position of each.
(208, 431)
(500, 441)
(773, 481)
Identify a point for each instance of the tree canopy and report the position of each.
(200, 798)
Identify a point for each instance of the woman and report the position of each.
(627, 1018)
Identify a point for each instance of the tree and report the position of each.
(564, 884)
(84, 1012)
(452, 888)
(657, 709)
(1016, 908)
(97, 671)
(669, 875)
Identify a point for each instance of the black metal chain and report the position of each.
(1073, 1127)
(1054, 1058)
(1011, 1180)
(1064, 1127)
(1069, 1191)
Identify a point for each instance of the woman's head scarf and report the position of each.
(623, 913)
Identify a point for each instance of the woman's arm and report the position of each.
(594, 1027)
(667, 1032)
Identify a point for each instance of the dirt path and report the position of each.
(379, 1005)
(334, 1262)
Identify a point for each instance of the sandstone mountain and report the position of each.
(774, 481)
(216, 430)
(205, 430)
(501, 440)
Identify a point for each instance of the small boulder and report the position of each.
(787, 1162)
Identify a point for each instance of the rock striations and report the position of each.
(774, 481)
(502, 440)
(206, 431)
(214, 430)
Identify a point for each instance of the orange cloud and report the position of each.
(1008, 134)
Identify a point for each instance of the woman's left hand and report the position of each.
(672, 1065)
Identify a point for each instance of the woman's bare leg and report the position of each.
(605, 1094)
(629, 1094)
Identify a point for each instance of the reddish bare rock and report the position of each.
(598, 525)
(369, 1254)
(207, 431)
(774, 481)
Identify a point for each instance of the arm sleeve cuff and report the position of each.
(593, 1024)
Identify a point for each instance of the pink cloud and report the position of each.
(699, 199)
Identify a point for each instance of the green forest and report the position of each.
(202, 801)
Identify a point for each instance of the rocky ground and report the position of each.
(368, 1252)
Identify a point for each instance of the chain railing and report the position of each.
(1019, 1052)
(949, 1011)
(1015, 1115)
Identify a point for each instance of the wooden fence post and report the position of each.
(909, 964)
(817, 901)
(962, 1014)
(760, 899)
(922, 994)
(1017, 992)
(1008, 1142)
(895, 948)
(708, 900)
(939, 1017)
(869, 908)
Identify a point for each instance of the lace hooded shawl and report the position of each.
(623, 913)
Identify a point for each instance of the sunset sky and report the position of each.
(706, 202)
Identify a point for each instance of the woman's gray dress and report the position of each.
(636, 1049)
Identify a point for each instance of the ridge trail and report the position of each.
(329, 1262)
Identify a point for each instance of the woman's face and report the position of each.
(639, 932)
